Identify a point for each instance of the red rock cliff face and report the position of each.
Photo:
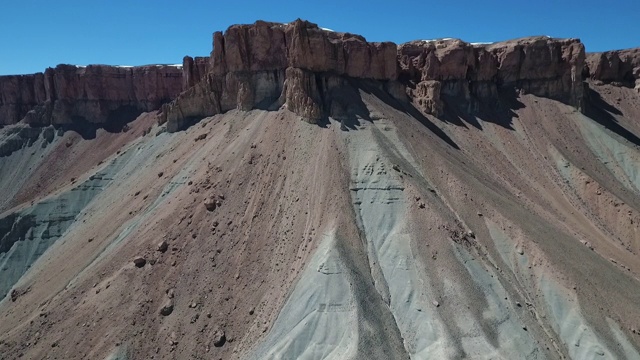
(267, 65)
(620, 67)
(314, 73)
(538, 65)
(19, 94)
(94, 94)
(193, 70)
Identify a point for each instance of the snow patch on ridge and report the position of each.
(438, 39)
(133, 66)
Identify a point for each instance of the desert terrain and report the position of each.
(396, 214)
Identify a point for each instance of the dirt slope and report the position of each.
(511, 234)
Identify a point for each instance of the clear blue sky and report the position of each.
(38, 34)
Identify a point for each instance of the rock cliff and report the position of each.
(95, 94)
(315, 73)
(539, 65)
(266, 65)
(193, 70)
(621, 67)
(302, 66)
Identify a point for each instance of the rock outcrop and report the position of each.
(193, 69)
(621, 67)
(538, 65)
(267, 65)
(315, 73)
(96, 94)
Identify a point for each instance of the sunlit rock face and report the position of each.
(619, 67)
(252, 64)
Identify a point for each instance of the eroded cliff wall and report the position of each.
(538, 65)
(94, 94)
(315, 73)
(267, 65)
(620, 67)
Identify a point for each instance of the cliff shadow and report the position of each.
(80, 126)
(602, 112)
(500, 110)
(344, 104)
(407, 108)
(456, 112)
(117, 121)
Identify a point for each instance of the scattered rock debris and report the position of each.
(17, 292)
(219, 338)
(212, 203)
(139, 261)
(170, 293)
(14, 295)
(460, 236)
(162, 246)
(587, 244)
(167, 308)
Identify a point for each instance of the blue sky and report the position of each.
(38, 34)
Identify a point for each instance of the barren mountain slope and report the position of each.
(510, 235)
(306, 194)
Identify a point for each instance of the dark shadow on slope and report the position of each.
(499, 111)
(324, 122)
(117, 121)
(24, 135)
(80, 126)
(503, 109)
(409, 109)
(344, 104)
(416, 114)
(456, 112)
(17, 137)
(460, 112)
(14, 227)
(600, 111)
